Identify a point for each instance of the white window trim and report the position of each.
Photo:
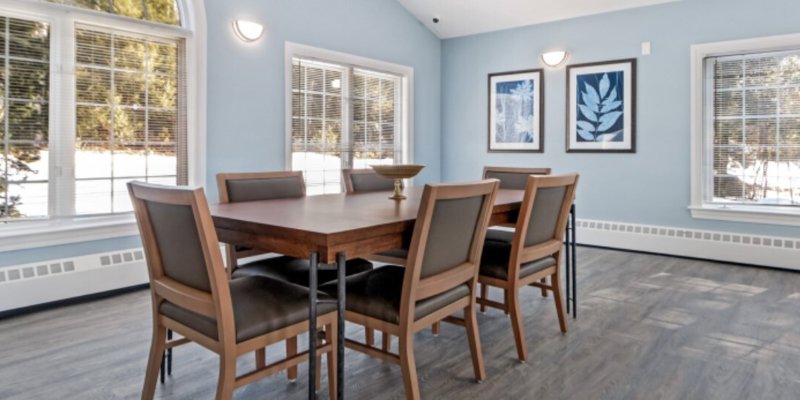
(700, 143)
(20, 235)
(407, 87)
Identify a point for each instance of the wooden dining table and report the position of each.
(328, 230)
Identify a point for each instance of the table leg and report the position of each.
(567, 268)
(312, 325)
(574, 264)
(340, 304)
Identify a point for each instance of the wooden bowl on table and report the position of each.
(398, 172)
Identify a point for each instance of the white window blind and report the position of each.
(24, 97)
(342, 117)
(754, 126)
(129, 124)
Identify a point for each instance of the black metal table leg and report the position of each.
(312, 325)
(567, 268)
(340, 304)
(169, 354)
(574, 264)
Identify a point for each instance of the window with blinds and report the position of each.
(754, 121)
(342, 117)
(24, 135)
(129, 123)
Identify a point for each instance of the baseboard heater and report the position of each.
(38, 283)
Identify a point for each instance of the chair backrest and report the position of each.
(254, 186)
(512, 177)
(182, 251)
(542, 217)
(448, 239)
(365, 180)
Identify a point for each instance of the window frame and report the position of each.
(406, 74)
(702, 141)
(60, 226)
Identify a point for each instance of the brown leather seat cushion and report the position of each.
(377, 294)
(497, 252)
(396, 253)
(260, 305)
(295, 270)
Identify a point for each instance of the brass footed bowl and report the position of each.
(398, 172)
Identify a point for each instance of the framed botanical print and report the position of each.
(516, 111)
(601, 107)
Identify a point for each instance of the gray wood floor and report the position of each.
(649, 327)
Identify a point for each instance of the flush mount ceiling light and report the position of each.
(248, 31)
(554, 58)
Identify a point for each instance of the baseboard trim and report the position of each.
(17, 312)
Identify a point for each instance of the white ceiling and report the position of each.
(467, 17)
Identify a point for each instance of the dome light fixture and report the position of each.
(248, 31)
(554, 58)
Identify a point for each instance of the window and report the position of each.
(344, 116)
(113, 110)
(749, 146)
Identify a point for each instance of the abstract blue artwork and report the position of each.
(601, 107)
(515, 111)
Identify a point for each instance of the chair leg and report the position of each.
(291, 350)
(369, 336)
(154, 361)
(484, 295)
(227, 376)
(332, 336)
(386, 340)
(544, 291)
(562, 319)
(261, 358)
(471, 322)
(318, 383)
(517, 326)
(408, 365)
(435, 329)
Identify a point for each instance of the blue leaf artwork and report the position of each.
(514, 110)
(600, 106)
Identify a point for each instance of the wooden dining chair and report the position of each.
(254, 186)
(513, 260)
(439, 277)
(192, 295)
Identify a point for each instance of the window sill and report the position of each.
(738, 213)
(34, 234)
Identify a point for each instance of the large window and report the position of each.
(113, 111)
(751, 130)
(343, 116)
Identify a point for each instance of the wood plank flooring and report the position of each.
(649, 327)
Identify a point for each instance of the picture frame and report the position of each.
(601, 107)
(516, 111)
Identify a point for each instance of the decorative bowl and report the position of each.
(398, 172)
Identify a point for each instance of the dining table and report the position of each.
(329, 229)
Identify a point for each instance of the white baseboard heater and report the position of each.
(54, 280)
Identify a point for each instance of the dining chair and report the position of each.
(367, 180)
(513, 260)
(439, 277)
(254, 186)
(192, 296)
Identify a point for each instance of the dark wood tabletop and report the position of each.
(358, 224)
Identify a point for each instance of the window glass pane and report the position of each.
(756, 129)
(24, 120)
(161, 11)
(128, 121)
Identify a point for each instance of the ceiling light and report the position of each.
(248, 31)
(554, 58)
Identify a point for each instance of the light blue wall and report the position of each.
(246, 82)
(649, 187)
(246, 85)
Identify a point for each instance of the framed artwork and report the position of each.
(601, 107)
(516, 111)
